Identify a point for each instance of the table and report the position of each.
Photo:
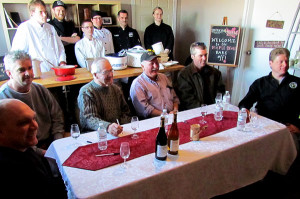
(214, 165)
(48, 79)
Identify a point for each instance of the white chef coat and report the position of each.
(105, 36)
(86, 48)
(40, 42)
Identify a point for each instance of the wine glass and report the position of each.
(134, 126)
(218, 98)
(75, 132)
(124, 152)
(253, 117)
(203, 112)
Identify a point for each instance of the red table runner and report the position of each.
(84, 157)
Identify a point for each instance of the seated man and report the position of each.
(102, 33)
(151, 91)
(100, 101)
(24, 174)
(20, 86)
(198, 83)
(277, 94)
(88, 46)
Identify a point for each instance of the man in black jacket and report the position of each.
(198, 83)
(277, 94)
(24, 173)
(124, 37)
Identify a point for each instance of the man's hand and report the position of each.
(292, 128)
(115, 129)
(62, 63)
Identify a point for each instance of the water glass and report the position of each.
(203, 112)
(218, 98)
(75, 132)
(253, 117)
(134, 126)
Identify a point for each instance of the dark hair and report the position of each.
(278, 51)
(157, 8)
(34, 3)
(122, 11)
(86, 21)
(194, 45)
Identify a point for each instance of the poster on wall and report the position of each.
(223, 45)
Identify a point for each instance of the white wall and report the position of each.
(194, 19)
(257, 64)
(3, 48)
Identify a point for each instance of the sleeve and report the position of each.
(102, 50)
(251, 97)
(89, 111)
(60, 46)
(111, 43)
(147, 39)
(126, 115)
(137, 39)
(170, 39)
(220, 84)
(20, 41)
(57, 118)
(186, 92)
(79, 55)
(139, 100)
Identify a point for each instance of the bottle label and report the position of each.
(174, 145)
(161, 151)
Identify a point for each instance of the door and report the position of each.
(254, 62)
(142, 14)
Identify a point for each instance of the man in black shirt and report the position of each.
(24, 173)
(65, 30)
(277, 94)
(124, 37)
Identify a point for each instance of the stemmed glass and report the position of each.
(134, 126)
(75, 132)
(124, 152)
(253, 117)
(203, 112)
(218, 98)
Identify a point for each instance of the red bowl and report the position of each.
(65, 70)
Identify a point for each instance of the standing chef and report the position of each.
(159, 32)
(124, 37)
(39, 39)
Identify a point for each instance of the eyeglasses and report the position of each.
(107, 72)
(88, 27)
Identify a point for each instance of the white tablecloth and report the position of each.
(212, 166)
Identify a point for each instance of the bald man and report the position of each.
(101, 101)
(24, 173)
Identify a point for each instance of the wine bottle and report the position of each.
(173, 137)
(161, 148)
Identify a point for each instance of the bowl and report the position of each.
(65, 70)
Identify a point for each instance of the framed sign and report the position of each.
(223, 45)
(107, 20)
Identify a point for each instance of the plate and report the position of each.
(170, 63)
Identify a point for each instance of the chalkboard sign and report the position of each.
(223, 45)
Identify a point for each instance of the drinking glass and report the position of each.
(124, 152)
(253, 117)
(134, 126)
(218, 98)
(203, 112)
(75, 132)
